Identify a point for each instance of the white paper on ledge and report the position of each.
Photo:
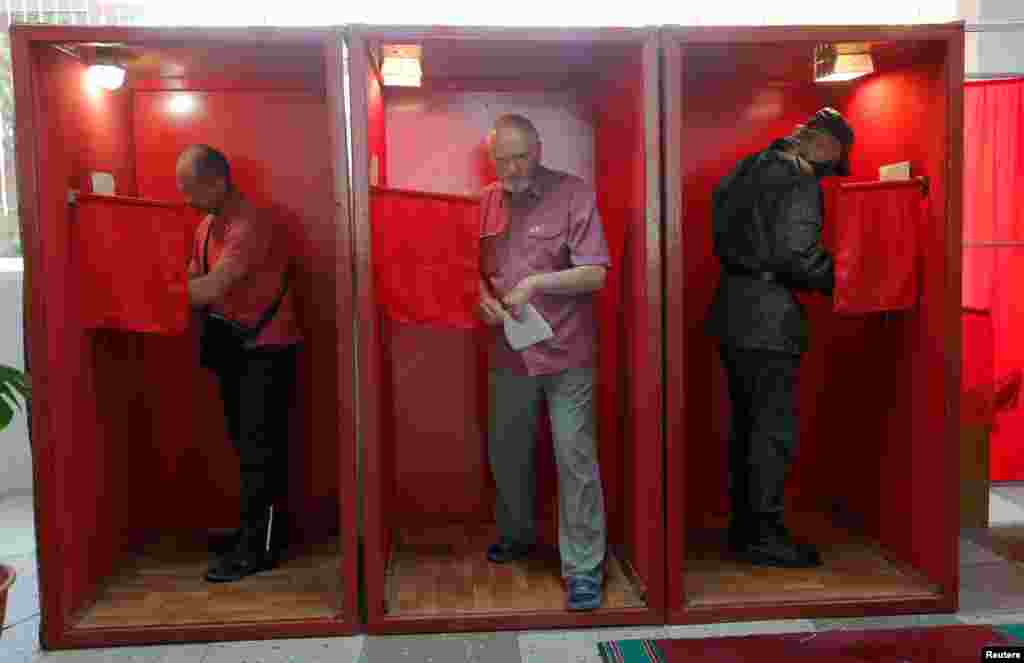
(530, 330)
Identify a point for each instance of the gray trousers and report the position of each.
(571, 398)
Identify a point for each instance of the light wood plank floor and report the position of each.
(444, 570)
(164, 585)
(854, 568)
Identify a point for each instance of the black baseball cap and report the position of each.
(830, 120)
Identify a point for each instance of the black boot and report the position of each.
(774, 546)
(259, 548)
(742, 531)
(220, 542)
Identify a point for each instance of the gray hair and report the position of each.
(513, 121)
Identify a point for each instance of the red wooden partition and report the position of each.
(128, 435)
(878, 393)
(422, 355)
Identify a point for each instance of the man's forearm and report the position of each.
(574, 281)
(205, 290)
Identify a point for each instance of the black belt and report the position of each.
(740, 271)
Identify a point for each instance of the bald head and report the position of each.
(204, 177)
(515, 149)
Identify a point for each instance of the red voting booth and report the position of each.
(132, 467)
(419, 162)
(875, 477)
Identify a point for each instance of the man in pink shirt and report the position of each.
(239, 271)
(542, 244)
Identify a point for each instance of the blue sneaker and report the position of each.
(584, 593)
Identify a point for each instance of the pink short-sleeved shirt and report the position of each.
(555, 226)
(253, 239)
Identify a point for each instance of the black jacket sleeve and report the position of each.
(799, 254)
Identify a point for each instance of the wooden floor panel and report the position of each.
(854, 569)
(164, 585)
(444, 570)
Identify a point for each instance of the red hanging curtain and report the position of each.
(993, 266)
(426, 256)
(876, 228)
(131, 264)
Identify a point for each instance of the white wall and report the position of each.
(15, 459)
(435, 141)
(994, 52)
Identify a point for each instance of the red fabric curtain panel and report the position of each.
(993, 266)
(131, 260)
(426, 257)
(977, 378)
(876, 231)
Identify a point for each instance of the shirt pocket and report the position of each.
(547, 246)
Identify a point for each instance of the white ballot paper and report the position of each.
(531, 329)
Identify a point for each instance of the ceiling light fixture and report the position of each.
(104, 72)
(845, 62)
(401, 65)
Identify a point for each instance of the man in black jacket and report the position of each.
(767, 221)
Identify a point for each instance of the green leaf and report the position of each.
(8, 392)
(6, 414)
(12, 378)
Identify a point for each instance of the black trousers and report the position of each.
(257, 388)
(763, 430)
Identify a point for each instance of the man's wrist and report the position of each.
(535, 284)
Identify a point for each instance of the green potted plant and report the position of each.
(14, 395)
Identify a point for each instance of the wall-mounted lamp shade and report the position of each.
(832, 64)
(182, 104)
(401, 66)
(104, 71)
(106, 76)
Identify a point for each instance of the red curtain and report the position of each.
(426, 254)
(993, 275)
(876, 245)
(131, 264)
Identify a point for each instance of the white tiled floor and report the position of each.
(992, 591)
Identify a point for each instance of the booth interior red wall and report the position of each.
(433, 398)
(872, 388)
(97, 399)
(289, 171)
(131, 414)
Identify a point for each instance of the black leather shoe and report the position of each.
(504, 551)
(221, 542)
(740, 534)
(237, 565)
(780, 551)
(770, 544)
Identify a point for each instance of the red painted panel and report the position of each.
(376, 129)
(244, 82)
(106, 117)
(94, 491)
(275, 143)
(436, 429)
(631, 460)
(885, 109)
